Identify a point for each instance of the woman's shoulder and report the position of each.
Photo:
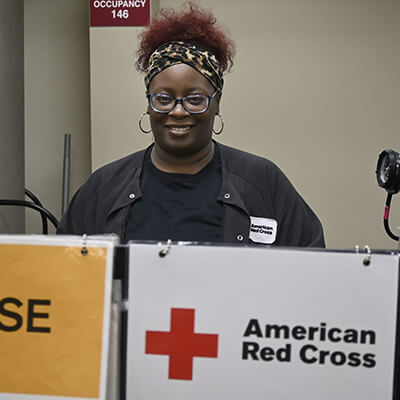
(242, 162)
(250, 170)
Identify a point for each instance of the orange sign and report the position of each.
(52, 302)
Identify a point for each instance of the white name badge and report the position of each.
(263, 230)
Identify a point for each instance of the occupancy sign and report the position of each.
(54, 303)
(119, 12)
(244, 323)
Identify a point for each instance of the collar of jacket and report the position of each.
(228, 193)
(131, 192)
(131, 185)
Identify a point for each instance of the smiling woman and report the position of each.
(182, 137)
(186, 186)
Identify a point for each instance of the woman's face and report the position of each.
(180, 133)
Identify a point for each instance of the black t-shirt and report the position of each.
(180, 207)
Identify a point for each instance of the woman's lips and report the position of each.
(179, 129)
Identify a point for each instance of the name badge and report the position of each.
(263, 230)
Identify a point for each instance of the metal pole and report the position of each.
(66, 172)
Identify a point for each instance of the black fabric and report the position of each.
(180, 207)
(251, 186)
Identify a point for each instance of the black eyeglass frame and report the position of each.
(177, 101)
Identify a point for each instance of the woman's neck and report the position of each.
(190, 164)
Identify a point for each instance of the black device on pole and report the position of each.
(388, 177)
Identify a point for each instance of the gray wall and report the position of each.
(12, 219)
(315, 88)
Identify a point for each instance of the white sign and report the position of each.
(250, 323)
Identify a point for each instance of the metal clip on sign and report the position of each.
(84, 250)
(367, 259)
(163, 252)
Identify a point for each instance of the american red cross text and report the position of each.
(181, 344)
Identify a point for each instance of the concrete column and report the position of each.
(12, 219)
(57, 94)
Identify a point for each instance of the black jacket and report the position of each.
(260, 204)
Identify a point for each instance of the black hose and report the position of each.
(45, 227)
(36, 207)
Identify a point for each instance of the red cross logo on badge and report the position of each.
(181, 344)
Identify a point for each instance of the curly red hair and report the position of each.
(190, 24)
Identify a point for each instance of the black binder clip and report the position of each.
(163, 252)
(84, 250)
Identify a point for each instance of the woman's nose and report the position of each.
(179, 110)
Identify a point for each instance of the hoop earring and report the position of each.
(140, 124)
(222, 125)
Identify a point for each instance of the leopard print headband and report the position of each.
(173, 53)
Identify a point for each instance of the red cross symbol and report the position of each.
(181, 344)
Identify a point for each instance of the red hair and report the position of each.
(190, 24)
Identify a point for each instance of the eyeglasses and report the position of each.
(193, 104)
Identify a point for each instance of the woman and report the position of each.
(186, 186)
